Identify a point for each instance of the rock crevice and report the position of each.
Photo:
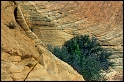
(23, 56)
(40, 23)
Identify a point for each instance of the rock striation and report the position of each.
(102, 19)
(54, 22)
(23, 55)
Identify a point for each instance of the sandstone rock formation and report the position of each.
(54, 22)
(23, 57)
(102, 19)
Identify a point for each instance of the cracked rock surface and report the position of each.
(23, 58)
(102, 19)
(28, 26)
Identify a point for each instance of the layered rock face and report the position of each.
(23, 57)
(54, 22)
(102, 19)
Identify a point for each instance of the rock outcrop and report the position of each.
(23, 57)
(102, 19)
(37, 24)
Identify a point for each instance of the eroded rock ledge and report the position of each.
(39, 23)
(23, 57)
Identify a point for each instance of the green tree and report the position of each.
(85, 55)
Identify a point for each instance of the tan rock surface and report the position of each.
(102, 19)
(23, 59)
(40, 23)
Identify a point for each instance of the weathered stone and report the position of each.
(52, 67)
(18, 76)
(5, 56)
(53, 24)
(64, 66)
(5, 64)
(66, 76)
(15, 58)
(6, 78)
(16, 69)
(38, 72)
(33, 79)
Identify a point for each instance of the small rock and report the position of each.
(15, 69)
(15, 58)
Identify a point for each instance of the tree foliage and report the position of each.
(85, 55)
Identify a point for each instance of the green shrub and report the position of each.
(90, 69)
(85, 55)
(61, 53)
